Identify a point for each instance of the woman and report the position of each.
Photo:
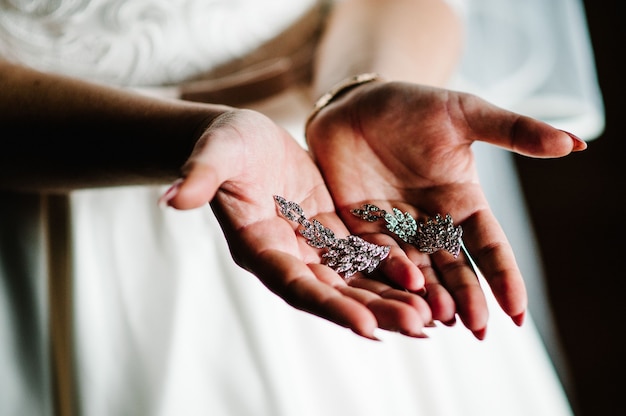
(164, 321)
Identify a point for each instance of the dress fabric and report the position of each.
(24, 349)
(166, 324)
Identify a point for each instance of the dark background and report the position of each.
(577, 207)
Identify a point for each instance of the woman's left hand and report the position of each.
(408, 146)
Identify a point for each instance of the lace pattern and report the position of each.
(139, 42)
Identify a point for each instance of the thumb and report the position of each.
(211, 164)
(531, 137)
(193, 190)
(520, 134)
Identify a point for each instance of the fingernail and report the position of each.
(431, 324)
(414, 334)
(377, 335)
(423, 292)
(480, 334)
(451, 322)
(519, 319)
(172, 191)
(421, 335)
(373, 338)
(579, 144)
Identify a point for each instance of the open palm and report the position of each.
(409, 146)
(240, 162)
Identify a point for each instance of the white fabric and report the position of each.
(169, 325)
(166, 324)
(276, 359)
(24, 346)
(533, 57)
(139, 42)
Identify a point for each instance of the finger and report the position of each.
(397, 267)
(219, 155)
(196, 188)
(313, 289)
(494, 257)
(441, 303)
(387, 292)
(512, 131)
(391, 314)
(463, 285)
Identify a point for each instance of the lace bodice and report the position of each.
(138, 42)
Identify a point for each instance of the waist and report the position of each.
(280, 63)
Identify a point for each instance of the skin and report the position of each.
(53, 122)
(265, 243)
(65, 134)
(406, 143)
(396, 144)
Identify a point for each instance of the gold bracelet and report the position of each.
(337, 90)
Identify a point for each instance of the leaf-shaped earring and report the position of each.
(346, 256)
(438, 233)
(402, 225)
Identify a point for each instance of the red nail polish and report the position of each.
(423, 292)
(480, 334)
(451, 322)
(171, 192)
(412, 334)
(579, 144)
(519, 318)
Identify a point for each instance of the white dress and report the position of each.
(165, 323)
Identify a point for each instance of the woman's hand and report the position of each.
(240, 162)
(409, 146)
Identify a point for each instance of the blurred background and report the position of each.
(576, 205)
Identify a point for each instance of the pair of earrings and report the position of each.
(438, 233)
(352, 254)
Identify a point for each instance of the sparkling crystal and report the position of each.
(439, 233)
(346, 255)
(317, 235)
(289, 209)
(401, 224)
(369, 212)
(353, 254)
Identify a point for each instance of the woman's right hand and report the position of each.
(239, 163)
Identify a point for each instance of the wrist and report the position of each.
(337, 90)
